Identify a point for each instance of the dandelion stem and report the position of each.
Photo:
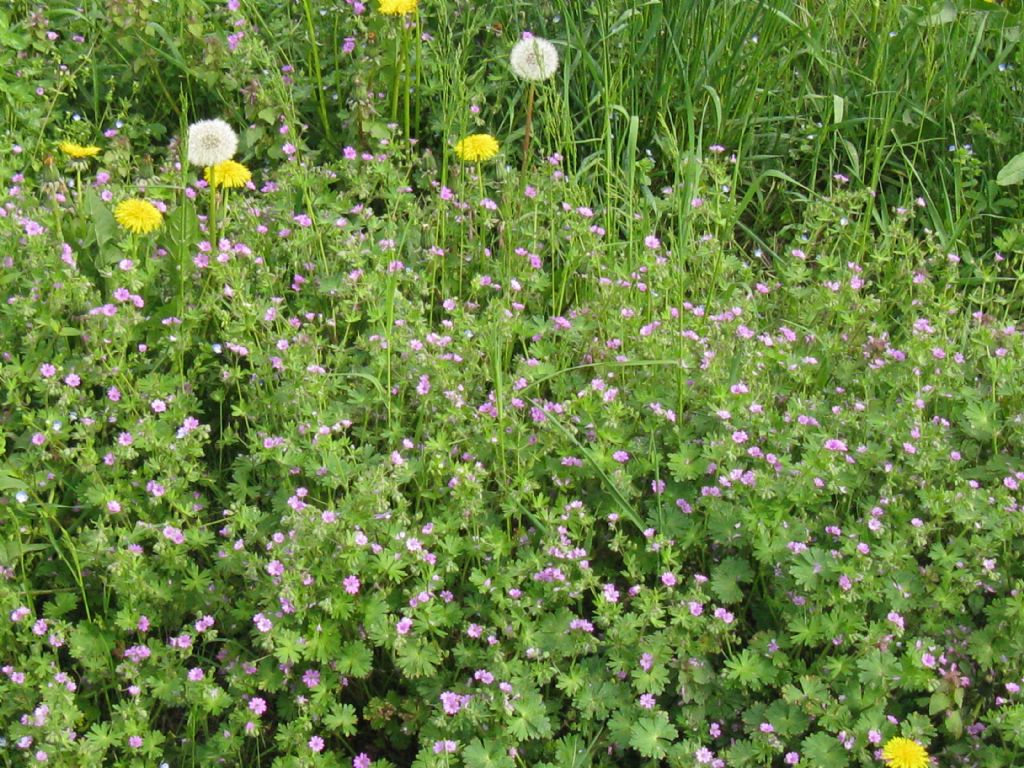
(419, 70)
(213, 212)
(396, 77)
(407, 85)
(78, 191)
(529, 126)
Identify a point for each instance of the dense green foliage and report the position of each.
(689, 436)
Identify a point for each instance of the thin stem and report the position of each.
(405, 71)
(395, 79)
(321, 96)
(419, 70)
(78, 191)
(213, 213)
(529, 126)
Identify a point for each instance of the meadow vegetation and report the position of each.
(376, 396)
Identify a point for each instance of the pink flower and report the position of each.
(724, 615)
(453, 702)
(19, 613)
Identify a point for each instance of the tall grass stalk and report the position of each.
(314, 49)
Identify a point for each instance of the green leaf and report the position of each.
(181, 235)
(104, 226)
(215, 700)
(355, 659)
(810, 569)
(98, 739)
(289, 647)
(788, 719)
(824, 749)
(15, 41)
(529, 719)
(943, 12)
(954, 724)
(571, 752)
(806, 631)
(62, 604)
(981, 419)
(939, 702)
(323, 644)
(876, 668)
(651, 736)
(595, 700)
(726, 578)
(494, 755)
(92, 646)
(419, 659)
(9, 482)
(750, 669)
(1012, 172)
(343, 719)
(686, 464)
(12, 551)
(838, 108)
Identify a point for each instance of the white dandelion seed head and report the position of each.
(211, 142)
(534, 59)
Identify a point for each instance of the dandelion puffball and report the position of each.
(211, 142)
(534, 58)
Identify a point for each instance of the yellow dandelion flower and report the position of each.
(477, 147)
(77, 151)
(397, 7)
(227, 174)
(904, 753)
(138, 216)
